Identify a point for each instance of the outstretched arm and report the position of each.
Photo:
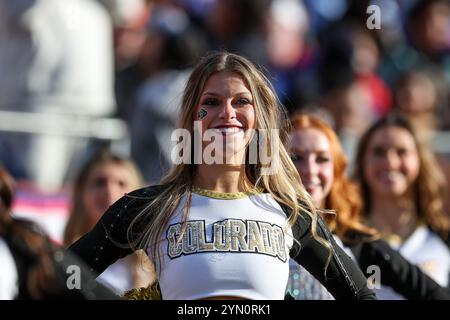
(342, 277)
(398, 273)
(108, 240)
(102, 246)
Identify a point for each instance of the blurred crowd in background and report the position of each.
(77, 76)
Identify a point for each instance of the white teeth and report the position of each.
(229, 129)
(391, 175)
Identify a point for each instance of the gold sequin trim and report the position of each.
(151, 292)
(225, 195)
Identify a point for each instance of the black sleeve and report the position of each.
(87, 288)
(109, 240)
(342, 278)
(405, 278)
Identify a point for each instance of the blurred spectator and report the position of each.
(171, 49)
(130, 19)
(323, 12)
(365, 60)
(31, 266)
(352, 92)
(349, 104)
(422, 41)
(351, 52)
(422, 96)
(103, 180)
(403, 192)
(292, 54)
(238, 26)
(55, 58)
(197, 9)
(288, 25)
(349, 107)
(429, 28)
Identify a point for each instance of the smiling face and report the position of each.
(226, 109)
(391, 162)
(311, 153)
(106, 183)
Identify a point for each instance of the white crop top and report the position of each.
(231, 247)
(8, 273)
(425, 249)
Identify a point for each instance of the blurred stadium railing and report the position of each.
(64, 124)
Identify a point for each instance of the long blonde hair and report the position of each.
(284, 185)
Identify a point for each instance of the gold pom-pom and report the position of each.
(149, 293)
